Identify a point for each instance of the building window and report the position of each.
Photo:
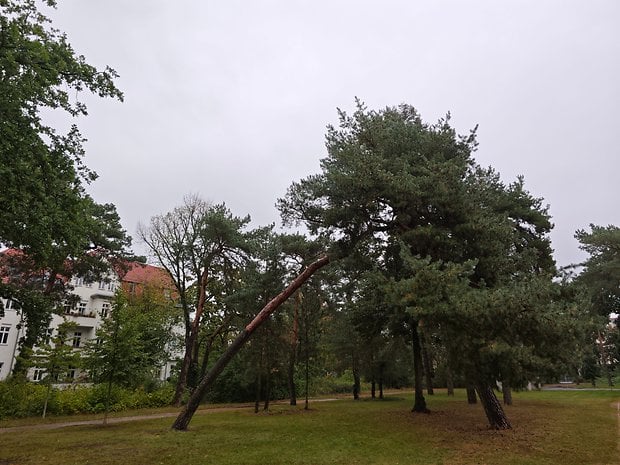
(4, 334)
(39, 374)
(78, 281)
(101, 285)
(71, 374)
(111, 286)
(105, 309)
(10, 304)
(48, 335)
(82, 307)
(1, 365)
(77, 339)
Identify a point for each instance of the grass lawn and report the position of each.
(573, 427)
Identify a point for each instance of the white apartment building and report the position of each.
(94, 304)
(91, 308)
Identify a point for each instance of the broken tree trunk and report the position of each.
(182, 421)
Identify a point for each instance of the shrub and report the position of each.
(21, 399)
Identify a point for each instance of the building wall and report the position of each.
(93, 306)
(95, 300)
(11, 330)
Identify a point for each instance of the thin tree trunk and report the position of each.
(449, 381)
(307, 357)
(258, 392)
(506, 393)
(186, 414)
(107, 402)
(291, 383)
(373, 389)
(381, 382)
(356, 378)
(47, 398)
(267, 389)
(471, 394)
(419, 404)
(492, 408)
(428, 368)
(293, 352)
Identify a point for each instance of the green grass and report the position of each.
(575, 427)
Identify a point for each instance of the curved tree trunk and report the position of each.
(191, 344)
(492, 408)
(183, 419)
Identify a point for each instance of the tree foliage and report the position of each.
(601, 272)
(46, 213)
(41, 169)
(461, 255)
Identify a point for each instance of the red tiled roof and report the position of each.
(146, 274)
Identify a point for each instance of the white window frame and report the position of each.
(77, 340)
(82, 306)
(105, 309)
(5, 330)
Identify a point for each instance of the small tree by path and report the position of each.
(56, 359)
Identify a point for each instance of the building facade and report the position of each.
(90, 307)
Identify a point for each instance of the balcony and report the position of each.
(86, 319)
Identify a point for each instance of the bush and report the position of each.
(22, 399)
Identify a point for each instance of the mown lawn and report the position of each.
(568, 428)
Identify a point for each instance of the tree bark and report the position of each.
(259, 387)
(191, 344)
(471, 394)
(492, 408)
(357, 385)
(267, 395)
(428, 367)
(373, 389)
(185, 416)
(449, 381)
(506, 393)
(293, 353)
(419, 404)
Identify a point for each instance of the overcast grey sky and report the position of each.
(230, 99)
